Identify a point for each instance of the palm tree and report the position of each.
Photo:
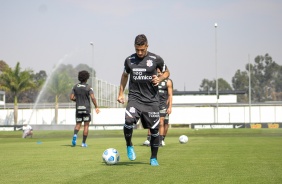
(59, 85)
(16, 81)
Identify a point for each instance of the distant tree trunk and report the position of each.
(15, 112)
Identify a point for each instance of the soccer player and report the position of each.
(81, 94)
(143, 97)
(165, 94)
(27, 131)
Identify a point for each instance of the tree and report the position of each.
(208, 85)
(266, 78)
(60, 85)
(3, 65)
(31, 95)
(240, 81)
(264, 73)
(16, 82)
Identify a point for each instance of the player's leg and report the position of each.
(85, 134)
(166, 126)
(150, 119)
(155, 142)
(161, 128)
(76, 129)
(29, 133)
(86, 119)
(131, 117)
(25, 133)
(147, 142)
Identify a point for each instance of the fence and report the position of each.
(231, 113)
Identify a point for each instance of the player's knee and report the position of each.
(154, 132)
(130, 121)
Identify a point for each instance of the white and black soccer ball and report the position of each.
(110, 156)
(183, 139)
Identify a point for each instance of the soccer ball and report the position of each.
(183, 139)
(110, 156)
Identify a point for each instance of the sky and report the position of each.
(41, 34)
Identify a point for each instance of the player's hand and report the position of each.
(120, 99)
(97, 110)
(155, 80)
(168, 111)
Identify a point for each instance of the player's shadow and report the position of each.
(68, 145)
(125, 163)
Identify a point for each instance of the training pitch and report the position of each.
(210, 156)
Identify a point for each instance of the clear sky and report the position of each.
(42, 33)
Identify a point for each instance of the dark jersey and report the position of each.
(141, 71)
(163, 93)
(82, 93)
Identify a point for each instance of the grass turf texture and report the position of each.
(210, 156)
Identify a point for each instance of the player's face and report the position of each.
(141, 50)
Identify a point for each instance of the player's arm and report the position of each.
(72, 97)
(165, 75)
(123, 82)
(156, 80)
(94, 101)
(170, 94)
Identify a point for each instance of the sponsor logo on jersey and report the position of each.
(154, 57)
(139, 74)
(149, 63)
(131, 57)
(81, 85)
(81, 107)
(142, 77)
(139, 69)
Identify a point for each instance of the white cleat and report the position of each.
(146, 143)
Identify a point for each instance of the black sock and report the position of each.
(127, 131)
(163, 137)
(84, 138)
(75, 131)
(155, 141)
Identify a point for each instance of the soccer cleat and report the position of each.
(146, 143)
(154, 162)
(130, 153)
(163, 143)
(74, 140)
(84, 145)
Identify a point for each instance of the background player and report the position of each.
(81, 94)
(27, 130)
(165, 94)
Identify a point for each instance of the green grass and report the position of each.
(210, 156)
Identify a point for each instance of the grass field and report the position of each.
(210, 156)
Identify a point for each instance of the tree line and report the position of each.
(265, 76)
(24, 85)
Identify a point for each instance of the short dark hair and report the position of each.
(83, 76)
(141, 40)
